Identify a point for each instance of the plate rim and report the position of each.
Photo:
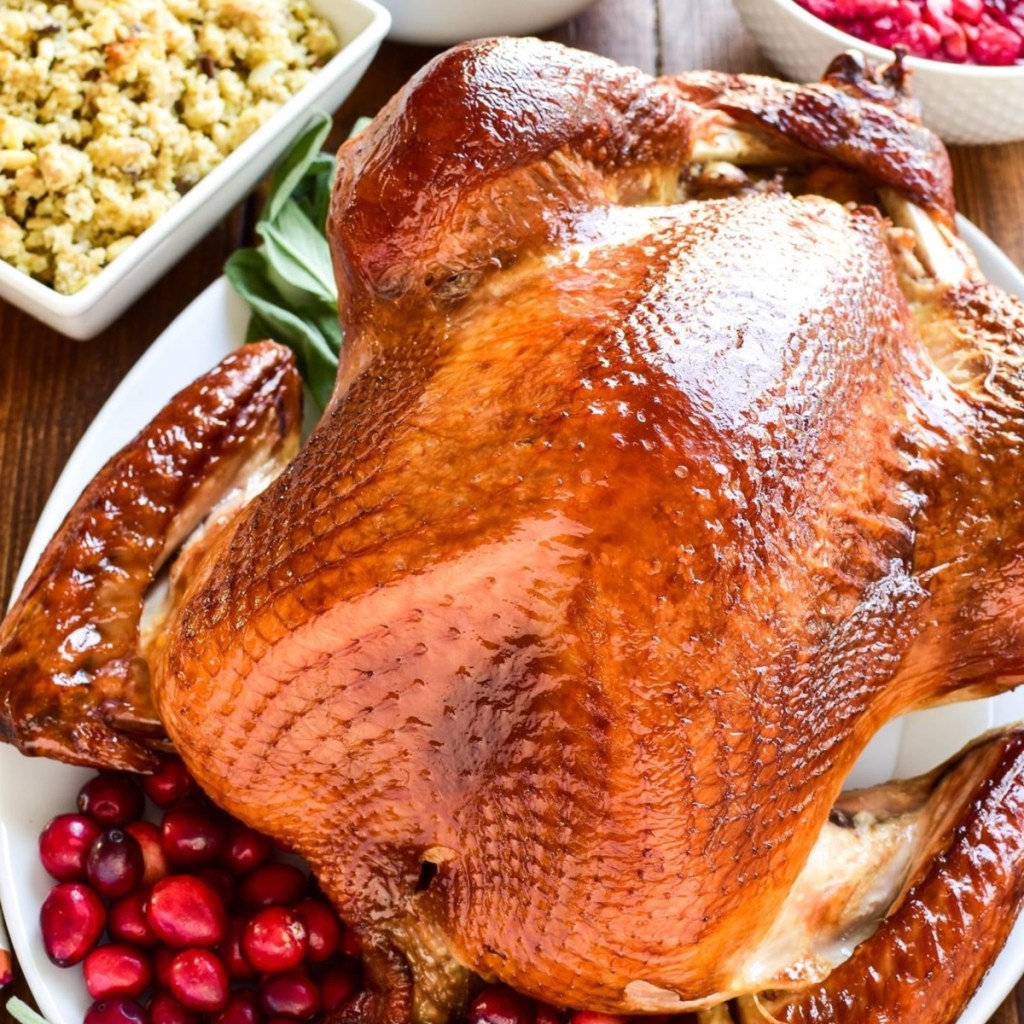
(91, 452)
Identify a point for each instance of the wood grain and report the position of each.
(51, 388)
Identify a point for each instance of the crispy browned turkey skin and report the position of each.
(661, 471)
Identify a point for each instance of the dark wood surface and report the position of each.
(51, 388)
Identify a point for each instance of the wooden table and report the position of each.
(51, 388)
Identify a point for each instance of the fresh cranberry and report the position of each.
(71, 920)
(170, 783)
(163, 957)
(165, 1009)
(323, 930)
(272, 884)
(222, 880)
(127, 920)
(274, 940)
(497, 1004)
(292, 994)
(338, 984)
(961, 31)
(116, 1011)
(245, 849)
(231, 952)
(350, 944)
(591, 1017)
(154, 860)
(545, 1014)
(115, 866)
(192, 834)
(117, 970)
(64, 844)
(243, 1008)
(113, 800)
(185, 911)
(199, 981)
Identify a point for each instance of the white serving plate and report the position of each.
(33, 790)
(360, 25)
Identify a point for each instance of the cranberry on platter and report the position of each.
(170, 783)
(275, 940)
(165, 1009)
(193, 834)
(292, 994)
(185, 911)
(116, 1011)
(199, 981)
(117, 970)
(64, 845)
(111, 799)
(115, 866)
(71, 920)
(272, 885)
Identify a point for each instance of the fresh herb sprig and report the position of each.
(288, 281)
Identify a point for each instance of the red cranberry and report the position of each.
(500, 1005)
(272, 884)
(274, 940)
(165, 1009)
(116, 1011)
(243, 1008)
(546, 1014)
(292, 994)
(147, 835)
(185, 911)
(114, 865)
(163, 956)
(234, 959)
(199, 981)
(127, 921)
(338, 984)
(170, 783)
(592, 1017)
(245, 849)
(64, 845)
(222, 881)
(350, 944)
(112, 800)
(117, 970)
(322, 928)
(71, 920)
(192, 834)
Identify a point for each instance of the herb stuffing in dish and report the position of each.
(110, 112)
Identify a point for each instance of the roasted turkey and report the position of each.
(674, 450)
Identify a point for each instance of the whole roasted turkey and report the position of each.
(676, 447)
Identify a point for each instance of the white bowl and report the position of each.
(442, 22)
(962, 103)
(360, 25)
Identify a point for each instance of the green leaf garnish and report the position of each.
(288, 281)
(23, 1013)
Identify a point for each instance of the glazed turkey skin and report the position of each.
(615, 546)
(673, 452)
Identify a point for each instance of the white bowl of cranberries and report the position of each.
(967, 56)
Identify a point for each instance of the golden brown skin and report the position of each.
(74, 680)
(940, 940)
(626, 529)
(631, 521)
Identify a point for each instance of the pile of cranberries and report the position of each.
(190, 918)
(195, 918)
(959, 31)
